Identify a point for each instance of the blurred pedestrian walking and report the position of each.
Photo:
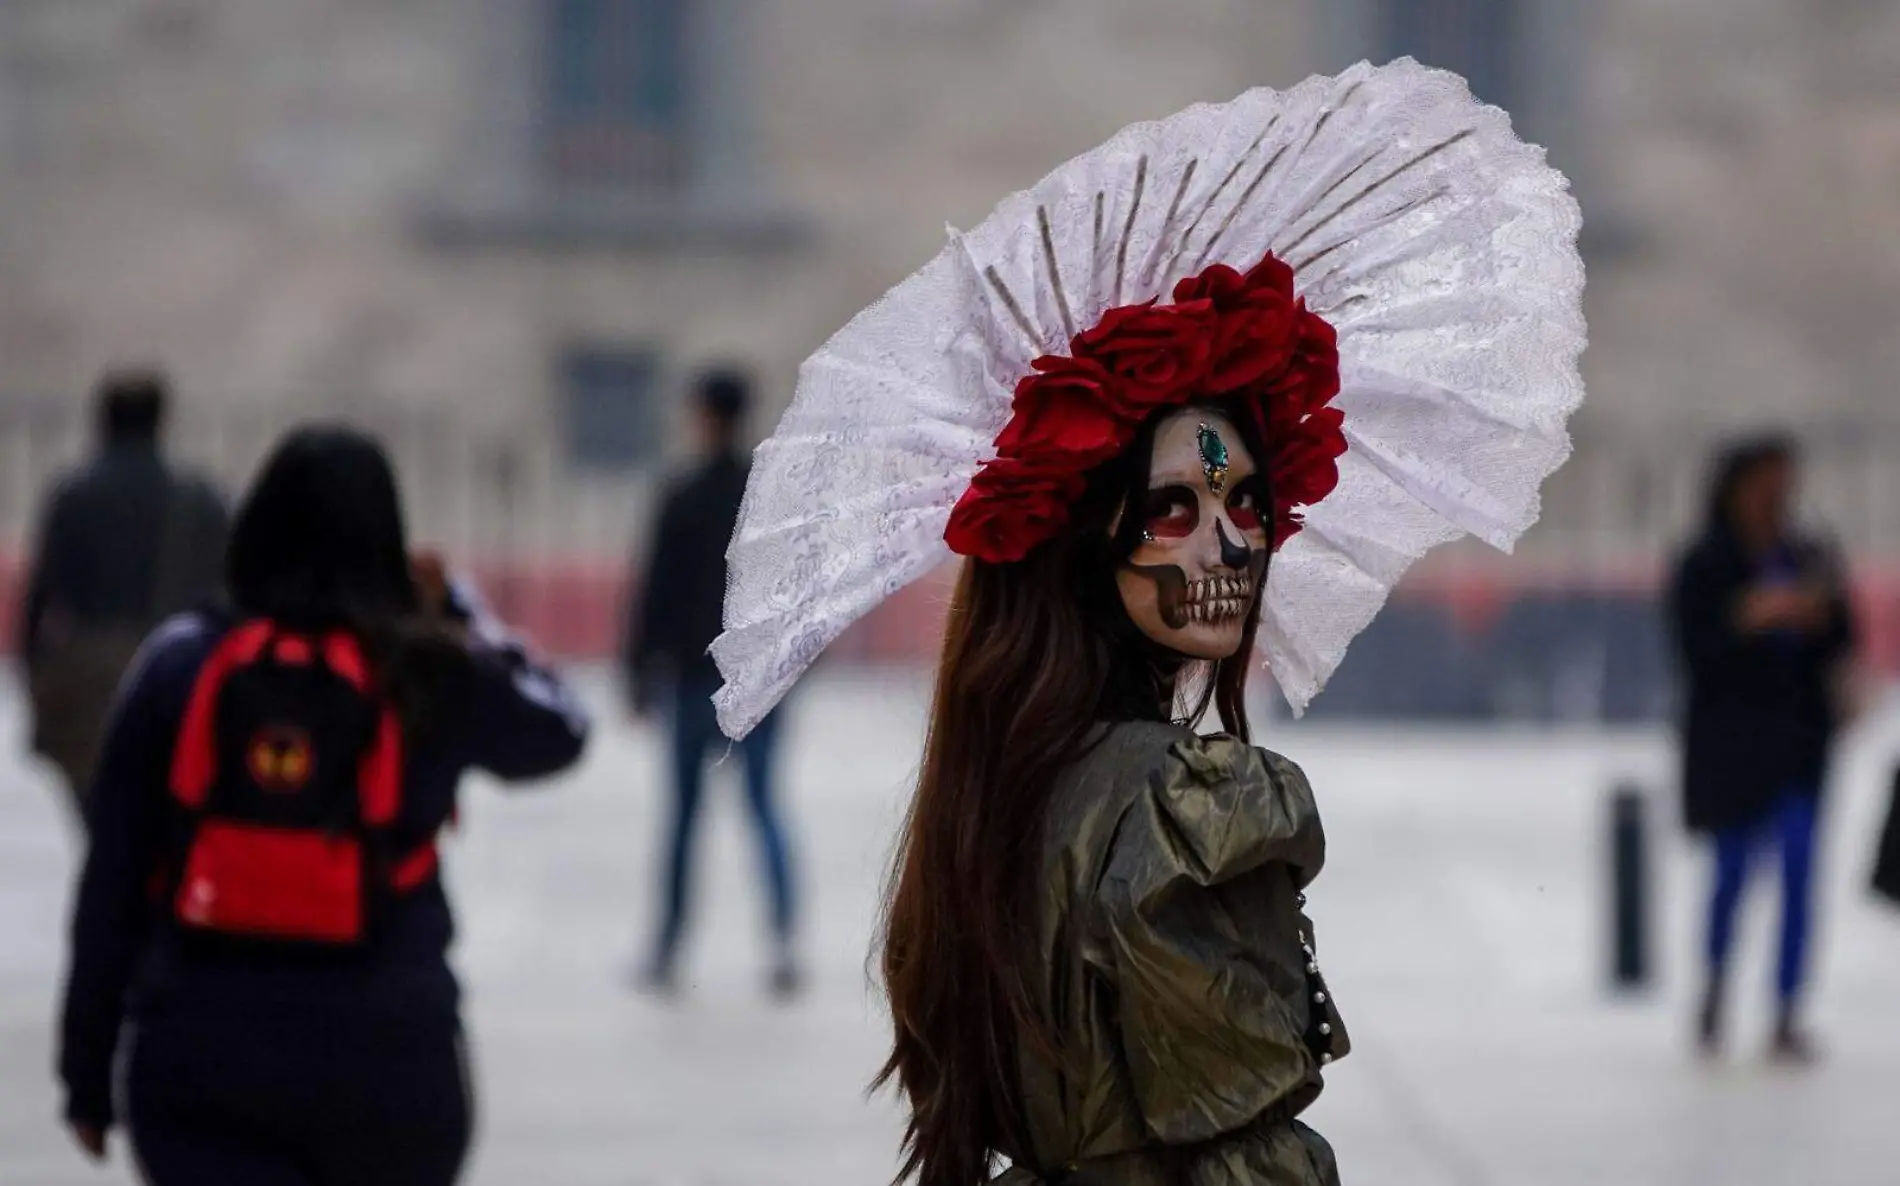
(124, 542)
(1886, 874)
(671, 621)
(1765, 633)
(261, 899)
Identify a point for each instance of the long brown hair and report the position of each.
(319, 542)
(1035, 655)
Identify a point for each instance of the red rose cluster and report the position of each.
(1243, 340)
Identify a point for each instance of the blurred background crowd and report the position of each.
(508, 237)
(503, 234)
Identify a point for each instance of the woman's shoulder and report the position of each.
(157, 683)
(177, 647)
(1178, 755)
(1210, 805)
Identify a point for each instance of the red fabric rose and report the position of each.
(1219, 285)
(1313, 369)
(1258, 321)
(1287, 523)
(1271, 272)
(1229, 290)
(1158, 352)
(1243, 339)
(1303, 435)
(1010, 507)
(1065, 408)
(1305, 465)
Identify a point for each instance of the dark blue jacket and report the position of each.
(99, 558)
(520, 722)
(1759, 711)
(676, 613)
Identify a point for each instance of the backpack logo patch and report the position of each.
(280, 758)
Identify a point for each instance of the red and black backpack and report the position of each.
(288, 774)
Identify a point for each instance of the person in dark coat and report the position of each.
(1886, 875)
(673, 616)
(259, 1065)
(1764, 629)
(124, 542)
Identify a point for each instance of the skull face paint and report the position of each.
(1192, 581)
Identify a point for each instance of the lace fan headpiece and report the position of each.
(1372, 264)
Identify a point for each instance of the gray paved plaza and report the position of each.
(1460, 921)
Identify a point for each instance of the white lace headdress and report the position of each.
(1441, 248)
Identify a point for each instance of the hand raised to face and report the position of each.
(430, 574)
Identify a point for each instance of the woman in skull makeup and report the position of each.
(1115, 400)
(1123, 987)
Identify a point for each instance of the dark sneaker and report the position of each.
(1708, 1034)
(656, 978)
(1793, 1047)
(787, 982)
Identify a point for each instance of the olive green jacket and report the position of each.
(1192, 1019)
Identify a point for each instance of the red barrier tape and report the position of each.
(575, 609)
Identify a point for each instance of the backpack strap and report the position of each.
(195, 756)
(379, 774)
(411, 871)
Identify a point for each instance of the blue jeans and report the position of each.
(1790, 826)
(696, 735)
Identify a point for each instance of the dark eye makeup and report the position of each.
(1247, 504)
(1174, 511)
(1171, 512)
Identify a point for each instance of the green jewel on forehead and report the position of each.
(1213, 459)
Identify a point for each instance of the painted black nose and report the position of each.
(1233, 555)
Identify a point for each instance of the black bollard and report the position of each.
(1629, 887)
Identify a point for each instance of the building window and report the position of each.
(1475, 38)
(624, 124)
(611, 404)
(615, 105)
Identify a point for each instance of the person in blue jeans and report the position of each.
(673, 617)
(1764, 630)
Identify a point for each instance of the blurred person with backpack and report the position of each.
(1765, 634)
(671, 621)
(124, 542)
(260, 932)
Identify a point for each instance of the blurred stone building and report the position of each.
(502, 231)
